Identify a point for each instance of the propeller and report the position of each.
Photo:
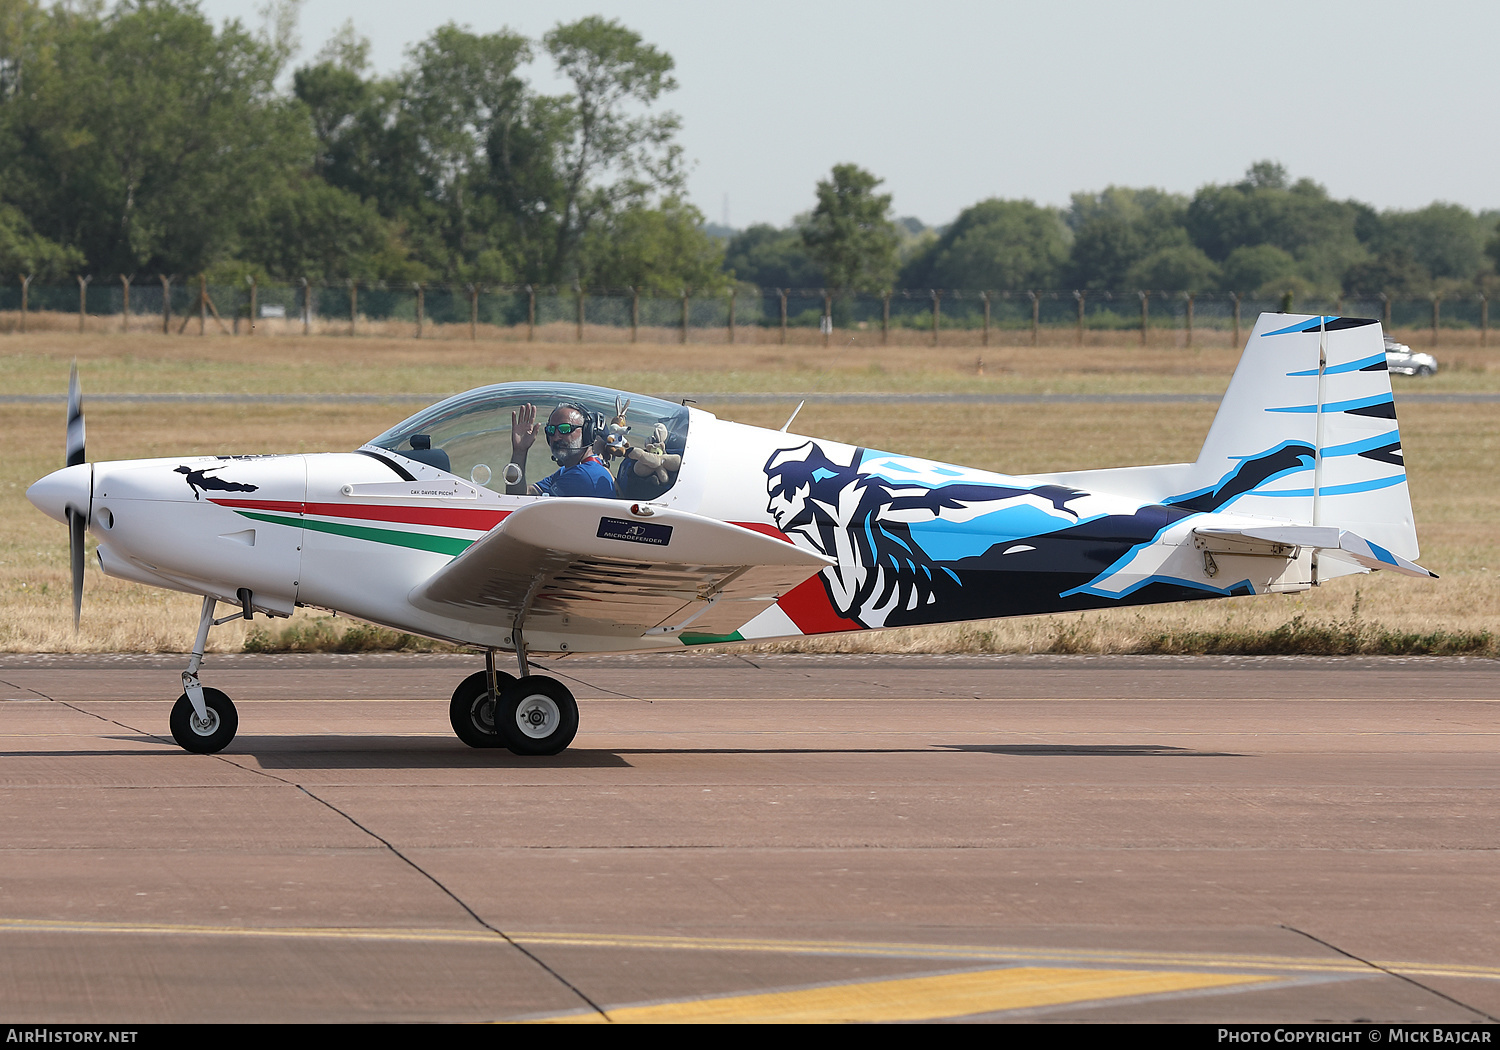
(77, 519)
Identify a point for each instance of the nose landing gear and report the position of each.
(203, 720)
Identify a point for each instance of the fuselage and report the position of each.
(914, 541)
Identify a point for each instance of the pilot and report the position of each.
(570, 435)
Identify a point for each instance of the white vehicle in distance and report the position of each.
(1401, 358)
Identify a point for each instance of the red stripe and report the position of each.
(807, 604)
(472, 519)
(764, 528)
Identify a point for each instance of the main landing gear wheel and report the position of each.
(210, 735)
(538, 715)
(473, 713)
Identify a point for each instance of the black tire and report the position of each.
(538, 715)
(224, 722)
(471, 713)
(1424, 370)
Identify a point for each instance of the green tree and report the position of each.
(1393, 272)
(1447, 240)
(661, 251)
(24, 253)
(995, 244)
(144, 133)
(1116, 230)
(1297, 218)
(321, 232)
(1180, 268)
(461, 88)
(772, 258)
(609, 156)
(1260, 269)
(850, 233)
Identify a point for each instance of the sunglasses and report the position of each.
(562, 428)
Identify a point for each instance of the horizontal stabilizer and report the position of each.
(1283, 540)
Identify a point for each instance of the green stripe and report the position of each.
(416, 540)
(709, 639)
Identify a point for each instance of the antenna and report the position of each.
(792, 416)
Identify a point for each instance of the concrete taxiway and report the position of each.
(759, 838)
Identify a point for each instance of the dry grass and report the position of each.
(1451, 450)
(150, 362)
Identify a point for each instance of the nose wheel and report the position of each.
(204, 736)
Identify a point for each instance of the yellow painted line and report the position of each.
(918, 998)
(1281, 964)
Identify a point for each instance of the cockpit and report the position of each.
(639, 439)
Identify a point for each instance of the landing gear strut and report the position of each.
(203, 720)
(472, 712)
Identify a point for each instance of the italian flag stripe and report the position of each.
(449, 545)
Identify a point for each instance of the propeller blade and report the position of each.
(75, 419)
(76, 522)
(77, 519)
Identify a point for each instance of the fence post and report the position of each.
(1436, 299)
(984, 340)
(1236, 296)
(253, 290)
(83, 283)
(203, 304)
(1145, 313)
(530, 313)
(1036, 316)
(306, 307)
(25, 284)
(732, 293)
(1385, 312)
(1190, 298)
(937, 313)
(473, 312)
(1484, 319)
(1078, 295)
(421, 305)
(635, 312)
(578, 297)
(827, 324)
(783, 292)
(682, 338)
(353, 302)
(885, 318)
(166, 303)
(125, 313)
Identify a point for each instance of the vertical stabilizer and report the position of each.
(1307, 432)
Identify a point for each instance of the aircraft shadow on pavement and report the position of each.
(326, 751)
(1122, 750)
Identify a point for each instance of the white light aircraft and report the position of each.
(665, 526)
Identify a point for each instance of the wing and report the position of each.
(601, 566)
(1282, 540)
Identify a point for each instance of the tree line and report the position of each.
(1265, 235)
(142, 139)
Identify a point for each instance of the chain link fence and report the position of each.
(794, 316)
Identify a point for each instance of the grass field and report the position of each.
(1451, 450)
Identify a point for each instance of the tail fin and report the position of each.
(1307, 432)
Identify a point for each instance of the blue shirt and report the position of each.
(589, 478)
